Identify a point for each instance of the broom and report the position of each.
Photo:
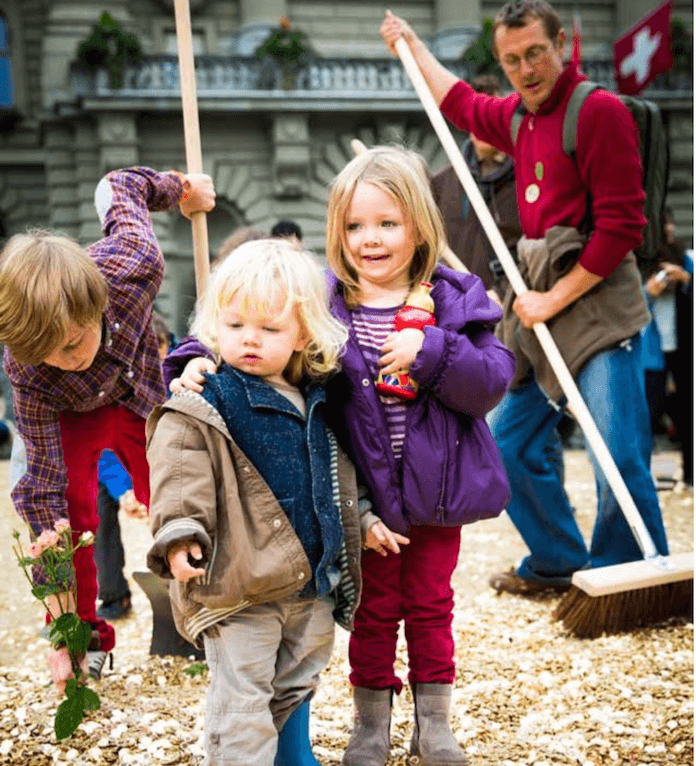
(608, 599)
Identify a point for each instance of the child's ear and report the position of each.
(302, 341)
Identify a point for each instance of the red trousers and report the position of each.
(85, 435)
(413, 586)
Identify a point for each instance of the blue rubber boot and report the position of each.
(294, 747)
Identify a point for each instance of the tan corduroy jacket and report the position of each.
(613, 311)
(204, 488)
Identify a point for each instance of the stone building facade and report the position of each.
(271, 140)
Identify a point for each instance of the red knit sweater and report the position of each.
(607, 165)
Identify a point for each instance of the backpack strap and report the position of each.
(570, 120)
(516, 121)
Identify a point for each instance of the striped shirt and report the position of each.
(126, 369)
(372, 326)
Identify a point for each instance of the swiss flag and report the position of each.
(644, 51)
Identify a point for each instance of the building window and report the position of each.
(6, 92)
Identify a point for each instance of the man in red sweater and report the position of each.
(592, 301)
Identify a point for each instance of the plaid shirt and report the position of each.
(126, 369)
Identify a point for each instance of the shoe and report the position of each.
(433, 741)
(369, 741)
(115, 610)
(95, 663)
(511, 582)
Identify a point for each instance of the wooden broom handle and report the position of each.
(192, 137)
(576, 404)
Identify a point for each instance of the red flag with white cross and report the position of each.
(644, 51)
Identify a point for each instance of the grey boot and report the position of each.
(432, 737)
(369, 742)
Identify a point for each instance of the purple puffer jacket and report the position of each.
(452, 473)
(451, 467)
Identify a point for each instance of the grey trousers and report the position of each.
(264, 662)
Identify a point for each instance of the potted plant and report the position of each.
(479, 55)
(109, 47)
(289, 50)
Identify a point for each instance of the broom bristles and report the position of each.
(590, 616)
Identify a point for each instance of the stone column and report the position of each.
(59, 140)
(68, 23)
(257, 18)
(458, 23)
(87, 175)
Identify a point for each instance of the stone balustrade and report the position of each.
(226, 76)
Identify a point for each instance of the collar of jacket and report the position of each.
(459, 299)
(262, 395)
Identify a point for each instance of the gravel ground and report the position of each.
(526, 694)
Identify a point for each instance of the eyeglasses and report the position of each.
(533, 56)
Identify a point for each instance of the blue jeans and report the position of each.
(524, 426)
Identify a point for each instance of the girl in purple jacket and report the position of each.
(431, 463)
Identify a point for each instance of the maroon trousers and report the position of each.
(413, 586)
(85, 435)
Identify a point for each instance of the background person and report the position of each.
(595, 276)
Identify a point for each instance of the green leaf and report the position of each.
(39, 591)
(80, 637)
(66, 623)
(71, 688)
(91, 699)
(196, 669)
(70, 713)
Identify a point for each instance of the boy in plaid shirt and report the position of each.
(83, 361)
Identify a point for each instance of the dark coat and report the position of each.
(465, 235)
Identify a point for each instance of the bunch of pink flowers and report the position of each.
(50, 538)
(51, 556)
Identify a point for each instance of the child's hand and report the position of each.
(380, 538)
(60, 665)
(131, 506)
(400, 349)
(192, 376)
(199, 194)
(178, 560)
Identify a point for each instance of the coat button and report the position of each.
(130, 373)
(365, 382)
(246, 469)
(117, 326)
(348, 503)
(301, 576)
(101, 393)
(276, 523)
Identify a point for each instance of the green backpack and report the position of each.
(654, 154)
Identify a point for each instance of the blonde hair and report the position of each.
(402, 174)
(264, 272)
(47, 283)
